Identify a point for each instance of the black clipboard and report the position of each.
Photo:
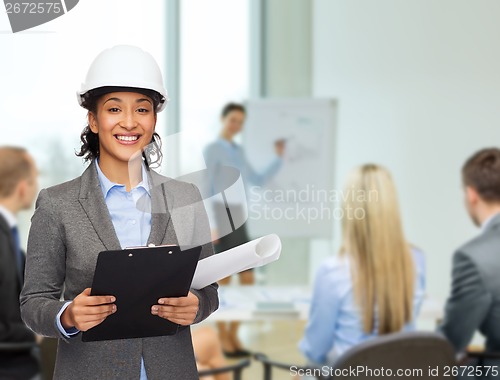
(138, 277)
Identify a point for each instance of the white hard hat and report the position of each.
(125, 66)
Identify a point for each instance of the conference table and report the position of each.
(260, 303)
(286, 302)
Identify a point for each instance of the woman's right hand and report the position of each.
(87, 311)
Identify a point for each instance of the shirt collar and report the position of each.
(107, 185)
(226, 143)
(9, 217)
(485, 224)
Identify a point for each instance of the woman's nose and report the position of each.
(128, 120)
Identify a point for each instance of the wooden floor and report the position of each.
(278, 340)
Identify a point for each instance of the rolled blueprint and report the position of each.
(255, 253)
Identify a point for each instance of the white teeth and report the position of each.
(127, 138)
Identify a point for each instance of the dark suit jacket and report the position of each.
(474, 303)
(12, 328)
(71, 225)
(13, 365)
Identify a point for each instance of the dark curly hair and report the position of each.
(89, 149)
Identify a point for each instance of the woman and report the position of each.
(209, 355)
(376, 284)
(117, 202)
(226, 152)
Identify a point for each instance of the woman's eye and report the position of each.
(114, 109)
(143, 110)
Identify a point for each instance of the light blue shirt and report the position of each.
(335, 321)
(226, 153)
(131, 220)
(222, 152)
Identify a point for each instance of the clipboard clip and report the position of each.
(150, 245)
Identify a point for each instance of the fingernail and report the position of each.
(112, 299)
(155, 308)
(160, 302)
(114, 308)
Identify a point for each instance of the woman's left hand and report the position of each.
(180, 310)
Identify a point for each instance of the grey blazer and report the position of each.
(71, 225)
(474, 302)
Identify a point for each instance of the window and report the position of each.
(214, 69)
(41, 70)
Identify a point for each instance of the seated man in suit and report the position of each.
(474, 302)
(18, 188)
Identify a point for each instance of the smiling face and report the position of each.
(125, 123)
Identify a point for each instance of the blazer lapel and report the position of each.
(162, 202)
(92, 201)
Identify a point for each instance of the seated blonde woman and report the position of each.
(375, 285)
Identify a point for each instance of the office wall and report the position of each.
(286, 48)
(418, 85)
(286, 72)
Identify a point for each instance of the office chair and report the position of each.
(236, 369)
(482, 360)
(26, 369)
(16, 347)
(482, 356)
(411, 351)
(270, 364)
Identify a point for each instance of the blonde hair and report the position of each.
(381, 264)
